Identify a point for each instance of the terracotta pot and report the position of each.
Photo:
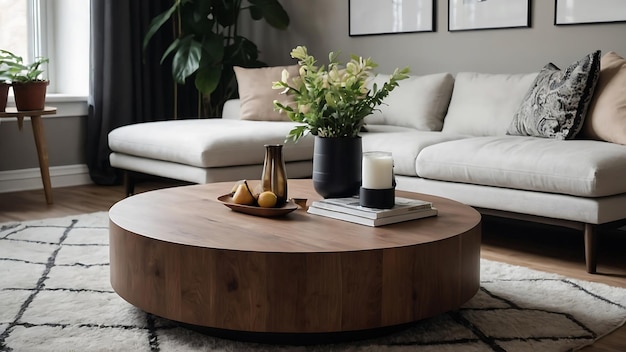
(4, 94)
(30, 95)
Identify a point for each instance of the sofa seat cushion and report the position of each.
(575, 167)
(208, 142)
(404, 144)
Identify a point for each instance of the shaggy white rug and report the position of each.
(55, 296)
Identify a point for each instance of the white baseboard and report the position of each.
(28, 179)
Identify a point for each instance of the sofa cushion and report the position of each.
(208, 142)
(256, 94)
(403, 143)
(576, 167)
(483, 104)
(557, 102)
(419, 102)
(606, 118)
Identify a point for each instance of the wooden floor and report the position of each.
(540, 247)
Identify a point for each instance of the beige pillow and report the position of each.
(606, 119)
(256, 93)
(419, 102)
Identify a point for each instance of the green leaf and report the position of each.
(158, 22)
(242, 52)
(169, 50)
(212, 49)
(256, 13)
(187, 59)
(272, 11)
(226, 12)
(207, 78)
(195, 19)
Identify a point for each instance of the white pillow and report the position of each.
(483, 104)
(418, 102)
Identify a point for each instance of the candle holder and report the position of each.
(377, 198)
(378, 186)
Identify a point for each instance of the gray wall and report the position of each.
(65, 139)
(322, 25)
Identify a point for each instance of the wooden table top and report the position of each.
(13, 112)
(192, 216)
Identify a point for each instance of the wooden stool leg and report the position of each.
(42, 154)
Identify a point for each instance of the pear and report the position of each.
(243, 195)
(235, 186)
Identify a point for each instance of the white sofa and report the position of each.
(448, 136)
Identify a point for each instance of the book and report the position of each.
(351, 205)
(373, 222)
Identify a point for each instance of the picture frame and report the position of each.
(465, 15)
(568, 12)
(406, 16)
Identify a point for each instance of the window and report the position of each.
(58, 30)
(14, 27)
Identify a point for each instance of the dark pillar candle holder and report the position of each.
(377, 198)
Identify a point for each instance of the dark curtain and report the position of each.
(127, 85)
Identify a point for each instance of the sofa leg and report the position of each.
(129, 183)
(591, 239)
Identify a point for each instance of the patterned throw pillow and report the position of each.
(557, 102)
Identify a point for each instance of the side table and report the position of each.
(40, 140)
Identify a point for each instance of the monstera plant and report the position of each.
(208, 44)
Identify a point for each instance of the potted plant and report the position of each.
(6, 60)
(332, 104)
(208, 44)
(28, 86)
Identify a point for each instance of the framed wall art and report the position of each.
(589, 11)
(466, 15)
(370, 17)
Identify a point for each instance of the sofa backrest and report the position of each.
(232, 109)
(418, 102)
(477, 104)
(484, 104)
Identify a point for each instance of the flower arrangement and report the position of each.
(332, 102)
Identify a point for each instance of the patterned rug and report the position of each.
(55, 296)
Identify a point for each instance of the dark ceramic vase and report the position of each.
(337, 166)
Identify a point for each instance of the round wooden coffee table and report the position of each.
(180, 254)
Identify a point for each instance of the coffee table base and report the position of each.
(294, 292)
(180, 254)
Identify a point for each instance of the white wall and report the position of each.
(322, 25)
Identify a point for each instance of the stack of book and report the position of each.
(348, 209)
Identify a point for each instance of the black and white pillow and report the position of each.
(557, 101)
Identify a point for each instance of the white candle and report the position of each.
(377, 170)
